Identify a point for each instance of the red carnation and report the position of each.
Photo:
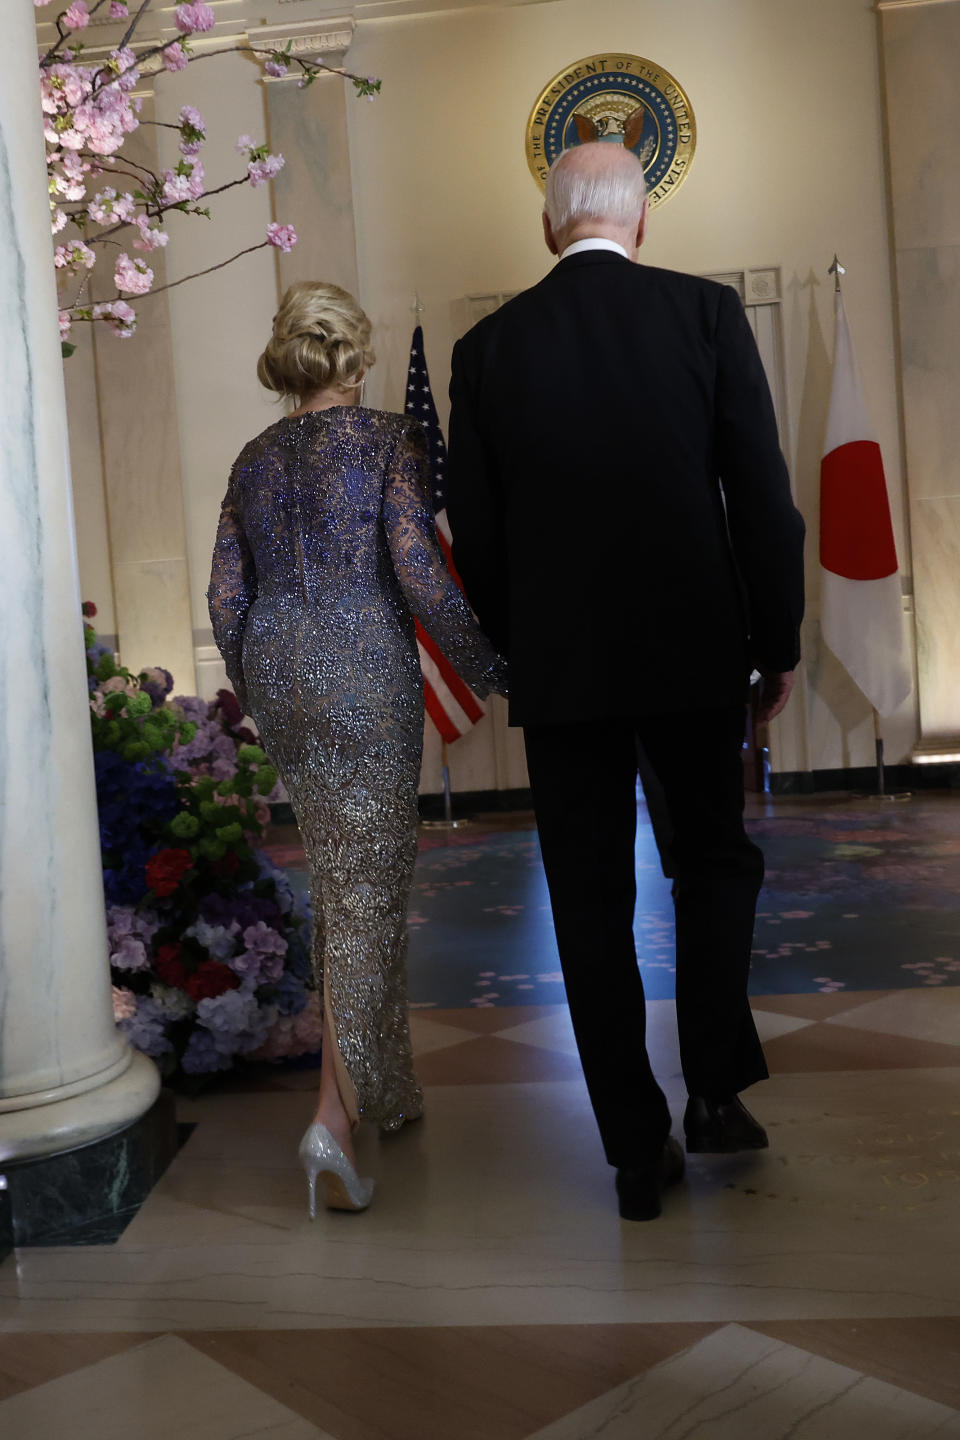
(210, 980)
(166, 869)
(89, 609)
(170, 967)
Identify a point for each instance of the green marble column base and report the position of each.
(89, 1195)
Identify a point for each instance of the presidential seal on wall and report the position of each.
(623, 100)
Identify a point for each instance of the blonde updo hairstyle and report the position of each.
(320, 341)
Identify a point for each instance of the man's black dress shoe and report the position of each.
(639, 1186)
(721, 1127)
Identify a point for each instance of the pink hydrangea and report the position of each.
(77, 16)
(260, 171)
(194, 19)
(173, 58)
(283, 237)
(133, 276)
(124, 1004)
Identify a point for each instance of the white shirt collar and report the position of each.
(580, 245)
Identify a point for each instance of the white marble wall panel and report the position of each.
(141, 464)
(919, 51)
(57, 1035)
(921, 44)
(314, 191)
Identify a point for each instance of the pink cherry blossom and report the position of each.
(118, 10)
(133, 276)
(151, 236)
(57, 221)
(273, 67)
(107, 206)
(244, 144)
(173, 58)
(74, 256)
(192, 123)
(284, 237)
(260, 171)
(194, 19)
(124, 62)
(65, 321)
(121, 318)
(175, 187)
(77, 16)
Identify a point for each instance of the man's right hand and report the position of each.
(775, 688)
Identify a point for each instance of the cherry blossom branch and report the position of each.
(264, 244)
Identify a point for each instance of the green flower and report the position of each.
(250, 755)
(106, 667)
(266, 779)
(184, 825)
(211, 812)
(205, 788)
(211, 848)
(135, 750)
(230, 834)
(139, 704)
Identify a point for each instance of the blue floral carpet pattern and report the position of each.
(858, 896)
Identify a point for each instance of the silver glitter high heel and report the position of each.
(343, 1188)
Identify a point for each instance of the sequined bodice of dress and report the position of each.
(325, 552)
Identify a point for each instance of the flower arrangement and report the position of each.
(89, 110)
(208, 945)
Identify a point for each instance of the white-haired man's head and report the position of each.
(595, 191)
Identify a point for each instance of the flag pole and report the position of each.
(447, 796)
(878, 741)
(836, 270)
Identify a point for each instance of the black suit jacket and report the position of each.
(594, 420)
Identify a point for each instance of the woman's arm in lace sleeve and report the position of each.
(430, 590)
(233, 589)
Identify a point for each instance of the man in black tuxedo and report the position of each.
(623, 526)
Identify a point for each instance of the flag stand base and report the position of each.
(448, 822)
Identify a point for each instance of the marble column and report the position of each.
(920, 43)
(66, 1076)
(314, 191)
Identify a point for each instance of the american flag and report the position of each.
(450, 703)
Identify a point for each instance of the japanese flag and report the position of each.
(861, 608)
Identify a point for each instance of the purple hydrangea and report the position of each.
(289, 994)
(201, 1056)
(146, 1030)
(218, 940)
(236, 1021)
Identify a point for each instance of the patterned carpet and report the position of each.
(859, 895)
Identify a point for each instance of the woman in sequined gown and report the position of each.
(326, 551)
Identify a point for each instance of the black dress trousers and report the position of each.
(583, 777)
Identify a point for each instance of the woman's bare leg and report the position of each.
(331, 1110)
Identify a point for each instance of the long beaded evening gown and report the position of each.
(325, 553)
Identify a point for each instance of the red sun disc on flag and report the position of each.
(856, 533)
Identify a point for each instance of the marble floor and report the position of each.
(492, 1293)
